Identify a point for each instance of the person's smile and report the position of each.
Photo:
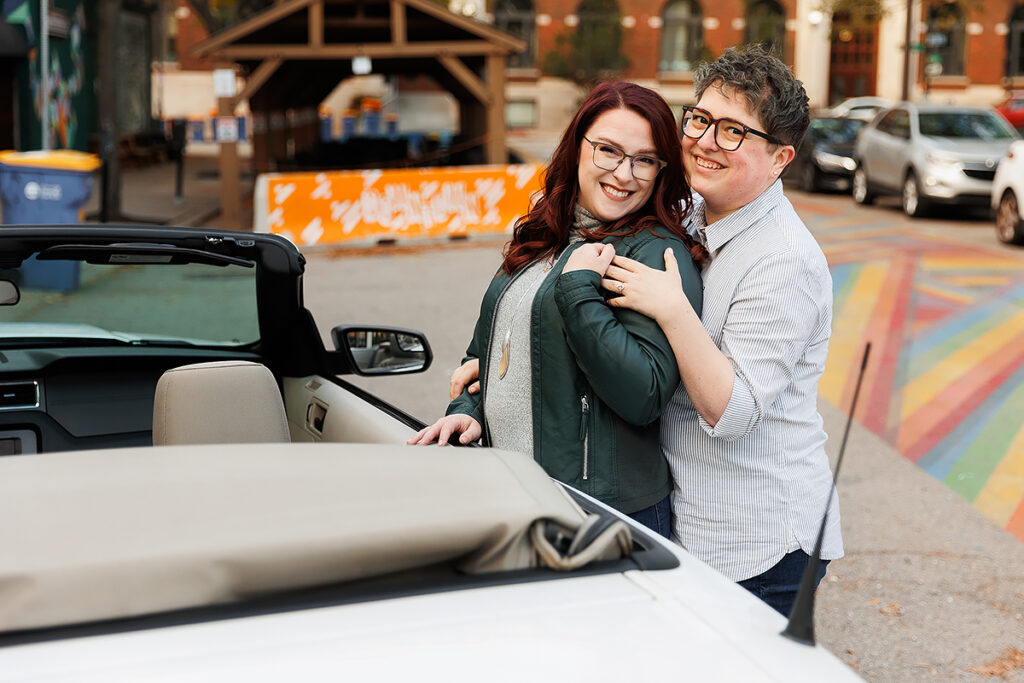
(616, 193)
(704, 162)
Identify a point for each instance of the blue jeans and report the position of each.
(779, 585)
(657, 517)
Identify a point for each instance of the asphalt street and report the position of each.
(930, 588)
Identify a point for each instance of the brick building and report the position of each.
(975, 49)
(980, 46)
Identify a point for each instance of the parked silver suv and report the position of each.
(930, 154)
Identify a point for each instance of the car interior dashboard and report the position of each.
(75, 398)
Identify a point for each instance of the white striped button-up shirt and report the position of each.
(754, 487)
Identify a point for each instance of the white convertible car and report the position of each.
(189, 492)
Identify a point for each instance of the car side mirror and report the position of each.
(9, 293)
(373, 350)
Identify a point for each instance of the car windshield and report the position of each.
(837, 130)
(964, 125)
(139, 304)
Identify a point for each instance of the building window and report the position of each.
(600, 29)
(946, 37)
(682, 36)
(170, 30)
(766, 25)
(518, 18)
(1015, 43)
(521, 114)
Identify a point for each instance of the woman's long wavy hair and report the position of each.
(545, 230)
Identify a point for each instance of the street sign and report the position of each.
(226, 129)
(223, 82)
(936, 40)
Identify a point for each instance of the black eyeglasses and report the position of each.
(609, 157)
(729, 133)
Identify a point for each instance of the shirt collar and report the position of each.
(718, 234)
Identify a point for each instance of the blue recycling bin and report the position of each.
(371, 123)
(348, 125)
(326, 125)
(196, 130)
(41, 188)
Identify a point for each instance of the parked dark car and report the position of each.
(825, 159)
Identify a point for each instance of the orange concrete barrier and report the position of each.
(364, 207)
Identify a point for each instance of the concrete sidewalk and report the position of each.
(930, 588)
(147, 194)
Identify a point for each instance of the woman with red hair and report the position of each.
(565, 378)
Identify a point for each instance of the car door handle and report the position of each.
(316, 414)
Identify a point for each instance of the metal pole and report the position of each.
(907, 38)
(44, 80)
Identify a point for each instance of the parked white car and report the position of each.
(189, 492)
(862, 107)
(930, 154)
(1008, 195)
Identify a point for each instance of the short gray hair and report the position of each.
(768, 85)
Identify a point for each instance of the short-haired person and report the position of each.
(743, 435)
(567, 379)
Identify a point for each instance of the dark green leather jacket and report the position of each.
(601, 377)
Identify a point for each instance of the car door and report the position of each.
(890, 148)
(866, 148)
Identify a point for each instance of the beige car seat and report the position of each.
(220, 402)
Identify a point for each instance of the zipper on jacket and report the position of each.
(585, 434)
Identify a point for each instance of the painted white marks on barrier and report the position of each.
(276, 218)
(312, 233)
(400, 207)
(282, 192)
(371, 177)
(323, 187)
(522, 173)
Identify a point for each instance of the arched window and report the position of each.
(1015, 43)
(766, 24)
(518, 18)
(600, 34)
(946, 38)
(682, 36)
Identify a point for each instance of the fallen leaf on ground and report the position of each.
(891, 610)
(1011, 660)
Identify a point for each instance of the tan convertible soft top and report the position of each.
(93, 535)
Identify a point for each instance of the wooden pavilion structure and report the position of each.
(295, 53)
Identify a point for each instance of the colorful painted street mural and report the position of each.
(66, 71)
(945, 382)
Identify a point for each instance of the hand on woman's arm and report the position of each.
(463, 375)
(705, 371)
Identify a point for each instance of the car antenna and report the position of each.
(801, 619)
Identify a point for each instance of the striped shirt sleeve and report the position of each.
(772, 318)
